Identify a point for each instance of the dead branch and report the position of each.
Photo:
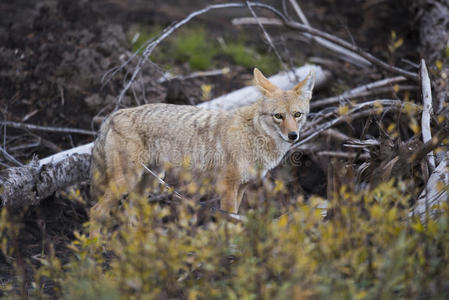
(351, 114)
(344, 44)
(435, 191)
(29, 184)
(427, 111)
(228, 215)
(349, 55)
(360, 91)
(265, 33)
(217, 72)
(342, 154)
(10, 157)
(46, 128)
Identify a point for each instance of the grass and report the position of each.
(196, 47)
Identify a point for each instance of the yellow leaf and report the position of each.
(393, 35)
(439, 64)
(343, 110)
(206, 89)
(391, 128)
(283, 220)
(396, 88)
(378, 107)
(398, 43)
(418, 226)
(279, 186)
(414, 126)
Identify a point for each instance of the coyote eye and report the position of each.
(278, 116)
(297, 114)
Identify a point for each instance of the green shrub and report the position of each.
(367, 248)
(201, 51)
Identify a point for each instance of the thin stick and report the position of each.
(233, 217)
(152, 45)
(427, 111)
(361, 90)
(46, 128)
(299, 12)
(314, 132)
(166, 185)
(329, 45)
(342, 154)
(216, 72)
(267, 36)
(10, 157)
(345, 54)
(342, 43)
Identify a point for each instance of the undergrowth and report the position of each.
(197, 48)
(368, 247)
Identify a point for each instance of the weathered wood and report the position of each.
(29, 184)
(434, 37)
(435, 191)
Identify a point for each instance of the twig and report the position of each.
(166, 185)
(345, 54)
(267, 36)
(333, 133)
(329, 45)
(46, 128)
(429, 145)
(233, 217)
(342, 154)
(217, 72)
(427, 111)
(10, 157)
(299, 12)
(344, 44)
(305, 137)
(356, 92)
(432, 194)
(151, 45)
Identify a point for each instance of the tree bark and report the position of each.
(29, 184)
(434, 39)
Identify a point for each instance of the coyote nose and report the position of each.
(292, 135)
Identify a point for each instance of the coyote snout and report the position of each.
(222, 145)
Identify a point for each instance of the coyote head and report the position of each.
(284, 112)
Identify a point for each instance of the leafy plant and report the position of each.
(367, 248)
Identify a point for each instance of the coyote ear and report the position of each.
(305, 87)
(265, 86)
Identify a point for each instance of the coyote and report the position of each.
(230, 147)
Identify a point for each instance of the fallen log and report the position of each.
(435, 191)
(28, 185)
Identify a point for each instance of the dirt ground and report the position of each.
(53, 55)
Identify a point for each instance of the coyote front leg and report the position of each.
(228, 189)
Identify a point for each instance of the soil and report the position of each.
(54, 54)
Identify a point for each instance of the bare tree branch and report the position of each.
(357, 92)
(46, 128)
(427, 111)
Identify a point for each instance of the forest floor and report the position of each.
(54, 55)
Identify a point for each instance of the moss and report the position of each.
(196, 47)
(249, 57)
(193, 46)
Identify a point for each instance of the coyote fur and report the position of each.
(230, 147)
